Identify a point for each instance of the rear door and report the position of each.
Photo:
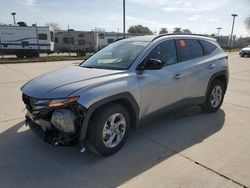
(198, 67)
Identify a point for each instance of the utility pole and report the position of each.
(14, 19)
(232, 31)
(219, 28)
(124, 26)
(37, 40)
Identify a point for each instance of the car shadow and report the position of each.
(27, 161)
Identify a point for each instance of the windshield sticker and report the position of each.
(182, 43)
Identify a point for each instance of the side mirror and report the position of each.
(151, 64)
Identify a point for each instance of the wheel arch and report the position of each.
(222, 76)
(125, 99)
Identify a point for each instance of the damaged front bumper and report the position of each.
(56, 125)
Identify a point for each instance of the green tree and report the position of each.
(186, 31)
(163, 31)
(177, 30)
(139, 29)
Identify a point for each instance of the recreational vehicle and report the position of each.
(80, 42)
(26, 41)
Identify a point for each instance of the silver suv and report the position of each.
(96, 103)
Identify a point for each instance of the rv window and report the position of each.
(81, 35)
(42, 36)
(25, 43)
(65, 40)
(68, 40)
(110, 41)
(71, 40)
(101, 36)
(81, 42)
(52, 36)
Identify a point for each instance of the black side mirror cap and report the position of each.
(151, 64)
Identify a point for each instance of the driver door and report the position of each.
(164, 87)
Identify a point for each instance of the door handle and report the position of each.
(211, 66)
(177, 76)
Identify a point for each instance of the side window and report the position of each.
(165, 51)
(208, 47)
(56, 39)
(42, 36)
(65, 40)
(190, 49)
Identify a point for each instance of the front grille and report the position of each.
(35, 106)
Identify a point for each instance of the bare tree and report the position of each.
(247, 23)
(54, 25)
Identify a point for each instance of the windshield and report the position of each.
(119, 55)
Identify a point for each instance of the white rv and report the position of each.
(80, 42)
(26, 41)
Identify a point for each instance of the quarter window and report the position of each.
(42, 36)
(190, 49)
(165, 51)
(208, 47)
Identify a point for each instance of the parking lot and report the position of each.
(185, 148)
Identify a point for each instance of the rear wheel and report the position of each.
(214, 97)
(108, 129)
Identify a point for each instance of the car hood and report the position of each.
(246, 49)
(64, 82)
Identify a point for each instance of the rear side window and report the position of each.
(165, 51)
(208, 47)
(189, 49)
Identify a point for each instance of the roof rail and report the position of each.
(162, 35)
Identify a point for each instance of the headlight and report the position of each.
(62, 102)
(64, 120)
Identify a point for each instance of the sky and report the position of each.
(199, 16)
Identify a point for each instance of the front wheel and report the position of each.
(214, 97)
(108, 129)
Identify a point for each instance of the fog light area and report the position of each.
(64, 120)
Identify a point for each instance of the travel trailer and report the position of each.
(79, 42)
(26, 41)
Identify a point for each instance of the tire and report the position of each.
(96, 141)
(211, 104)
(242, 55)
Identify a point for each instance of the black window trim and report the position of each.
(179, 51)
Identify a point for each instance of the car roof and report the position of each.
(151, 38)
